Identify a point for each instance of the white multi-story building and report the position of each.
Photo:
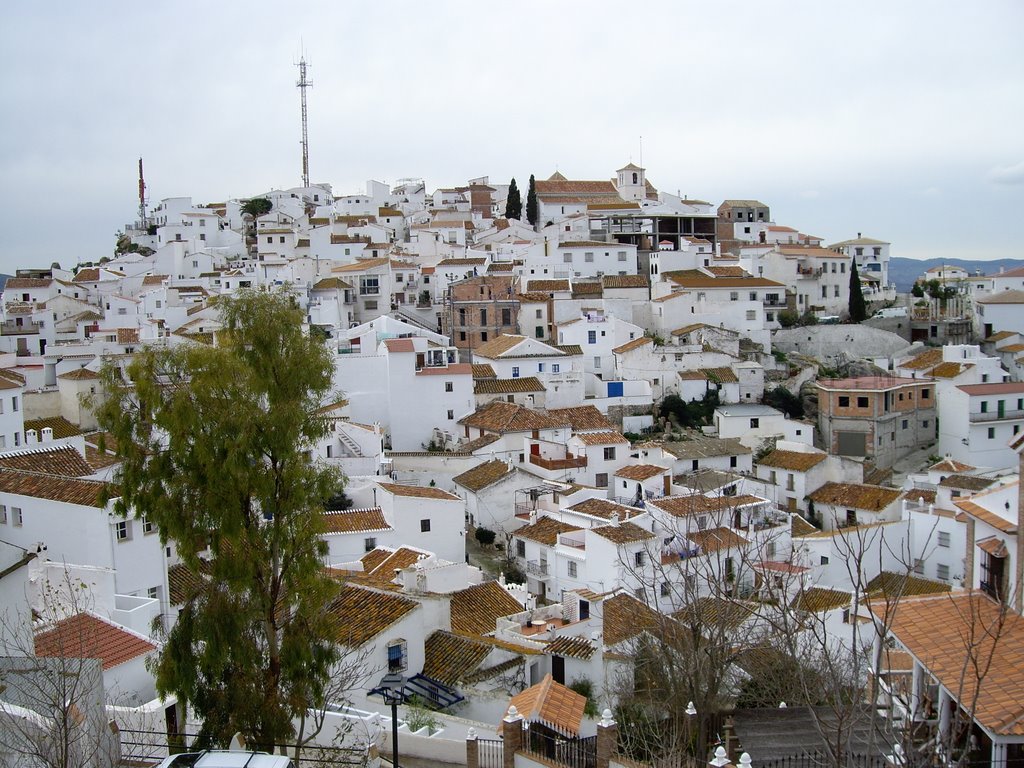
(977, 422)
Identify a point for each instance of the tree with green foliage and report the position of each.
(858, 309)
(917, 291)
(785, 401)
(212, 442)
(254, 208)
(532, 206)
(514, 202)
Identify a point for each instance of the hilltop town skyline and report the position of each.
(867, 120)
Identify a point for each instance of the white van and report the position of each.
(225, 758)
(891, 312)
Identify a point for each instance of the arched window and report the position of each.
(635, 178)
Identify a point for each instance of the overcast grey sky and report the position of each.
(901, 120)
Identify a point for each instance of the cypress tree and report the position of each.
(858, 309)
(514, 202)
(532, 207)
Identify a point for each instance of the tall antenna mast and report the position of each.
(142, 196)
(303, 84)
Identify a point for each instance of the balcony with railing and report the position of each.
(573, 540)
(537, 568)
(568, 461)
(19, 327)
(997, 415)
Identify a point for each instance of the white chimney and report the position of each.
(31, 437)
(47, 435)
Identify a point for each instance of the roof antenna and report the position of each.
(641, 151)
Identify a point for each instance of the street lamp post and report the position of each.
(392, 698)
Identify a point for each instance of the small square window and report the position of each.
(123, 530)
(609, 453)
(451, 415)
(638, 559)
(844, 401)
(572, 570)
(824, 559)
(991, 433)
(3, 514)
(425, 526)
(943, 539)
(942, 572)
(862, 402)
(755, 423)
(369, 543)
(148, 526)
(601, 479)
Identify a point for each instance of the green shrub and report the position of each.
(485, 536)
(585, 687)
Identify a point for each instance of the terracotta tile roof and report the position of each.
(950, 465)
(545, 531)
(723, 375)
(818, 599)
(418, 491)
(898, 585)
(54, 487)
(603, 508)
(947, 370)
(355, 521)
(999, 388)
(694, 278)
(947, 632)
(361, 265)
(715, 612)
(967, 482)
(798, 526)
(625, 281)
(483, 475)
(632, 344)
(498, 346)
(183, 583)
(52, 460)
(991, 518)
(90, 637)
(927, 359)
(581, 417)
(476, 444)
(507, 386)
(920, 494)
(681, 506)
(551, 704)
(994, 546)
(400, 345)
(870, 497)
(601, 438)
(1000, 335)
(547, 286)
(622, 533)
(61, 427)
(501, 417)
(358, 615)
(382, 574)
(331, 284)
(450, 658)
(475, 610)
(640, 471)
(79, 374)
(87, 275)
(559, 185)
(573, 647)
(1014, 348)
(1003, 297)
(12, 377)
(483, 371)
(623, 617)
(797, 461)
(587, 290)
(98, 459)
(28, 282)
(127, 335)
(714, 539)
(375, 557)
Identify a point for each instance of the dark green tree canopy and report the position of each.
(514, 202)
(858, 309)
(213, 443)
(532, 206)
(257, 206)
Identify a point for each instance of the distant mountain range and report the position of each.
(903, 272)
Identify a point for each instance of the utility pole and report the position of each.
(302, 85)
(142, 197)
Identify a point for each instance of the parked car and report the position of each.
(225, 758)
(891, 312)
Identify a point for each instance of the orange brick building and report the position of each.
(881, 418)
